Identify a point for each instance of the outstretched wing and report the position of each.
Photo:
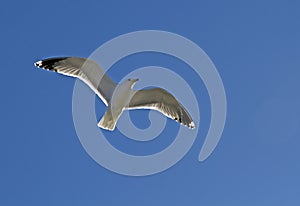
(86, 70)
(161, 100)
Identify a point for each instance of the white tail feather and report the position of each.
(109, 120)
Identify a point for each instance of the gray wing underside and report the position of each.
(84, 69)
(161, 100)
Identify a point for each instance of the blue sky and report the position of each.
(256, 49)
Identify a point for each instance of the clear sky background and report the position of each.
(255, 46)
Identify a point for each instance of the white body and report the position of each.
(119, 101)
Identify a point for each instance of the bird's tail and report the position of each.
(109, 119)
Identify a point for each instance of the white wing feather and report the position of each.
(86, 70)
(162, 101)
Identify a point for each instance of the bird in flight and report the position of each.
(117, 97)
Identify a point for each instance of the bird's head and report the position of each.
(131, 82)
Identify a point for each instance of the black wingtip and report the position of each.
(190, 125)
(49, 64)
(38, 64)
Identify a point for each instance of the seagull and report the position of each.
(117, 97)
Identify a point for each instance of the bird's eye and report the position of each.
(129, 79)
